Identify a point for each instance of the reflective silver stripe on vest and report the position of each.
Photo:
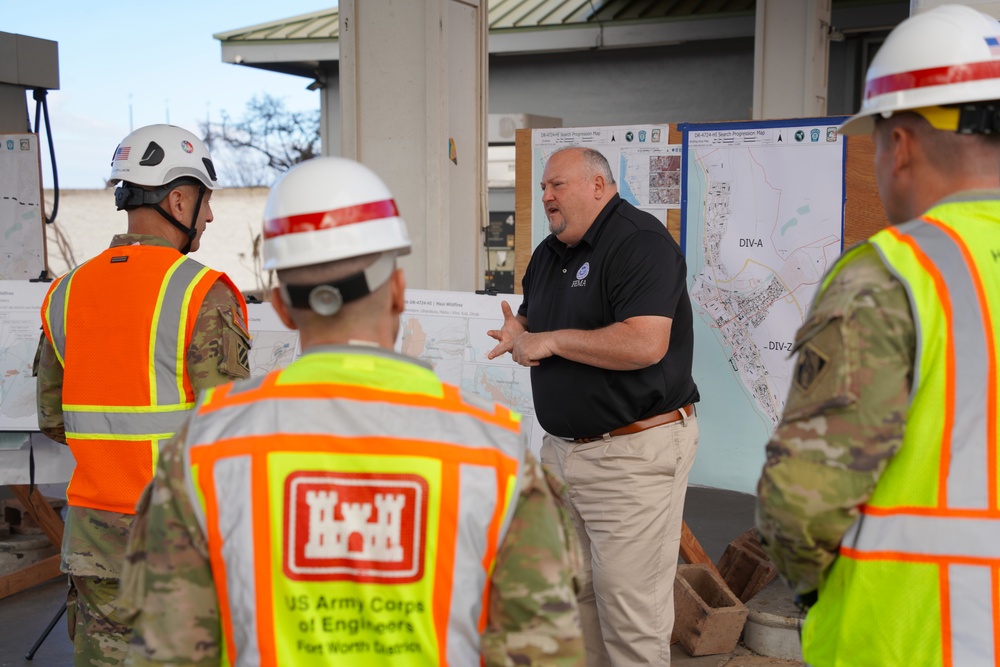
(939, 537)
(83, 423)
(234, 486)
(952, 539)
(969, 591)
(169, 369)
(57, 314)
(479, 485)
(967, 472)
(351, 418)
(168, 358)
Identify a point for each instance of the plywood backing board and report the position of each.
(863, 213)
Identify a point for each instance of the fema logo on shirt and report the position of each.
(581, 275)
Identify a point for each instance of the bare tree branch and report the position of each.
(269, 140)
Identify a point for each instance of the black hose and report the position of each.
(42, 105)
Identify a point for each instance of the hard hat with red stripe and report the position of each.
(327, 209)
(949, 55)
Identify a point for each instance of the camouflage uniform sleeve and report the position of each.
(49, 391)
(533, 615)
(167, 585)
(843, 421)
(220, 342)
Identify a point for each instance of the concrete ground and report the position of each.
(716, 517)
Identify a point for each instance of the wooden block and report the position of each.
(745, 567)
(41, 511)
(708, 617)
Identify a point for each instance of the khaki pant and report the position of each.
(626, 495)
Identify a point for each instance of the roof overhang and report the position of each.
(303, 58)
(308, 45)
(620, 35)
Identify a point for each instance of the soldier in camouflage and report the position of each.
(94, 540)
(340, 288)
(168, 581)
(876, 478)
(843, 420)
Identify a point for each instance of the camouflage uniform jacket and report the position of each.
(167, 582)
(843, 421)
(94, 540)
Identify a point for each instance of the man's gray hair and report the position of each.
(596, 162)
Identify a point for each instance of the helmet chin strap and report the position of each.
(191, 231)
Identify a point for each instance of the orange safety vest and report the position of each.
(917, 580)
(353, 506)
(120, 325)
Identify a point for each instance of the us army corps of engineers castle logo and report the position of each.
(354, 526)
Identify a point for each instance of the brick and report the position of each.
(20, 521)
(745, 567)
(708, 617)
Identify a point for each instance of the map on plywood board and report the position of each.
(23, 248)
(448, 330)
(646, 167)
(20, 328)
(445, 329)
(272, 344)
(762, 221)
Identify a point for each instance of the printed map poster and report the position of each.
(445, 329)
(273, 345)
(762, 221)
(20, 328)
(646, 167)
(448, 330)
(23, 240)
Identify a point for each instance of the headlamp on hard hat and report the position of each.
(971, 118)
(328, 298)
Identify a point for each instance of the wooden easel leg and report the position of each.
(40, 510)
(691, 550)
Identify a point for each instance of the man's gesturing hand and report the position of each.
(511, 330)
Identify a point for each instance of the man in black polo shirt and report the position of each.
(605, 326)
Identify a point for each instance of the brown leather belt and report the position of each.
(643, 424)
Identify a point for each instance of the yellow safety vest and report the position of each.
(917, 579)
(353, 506)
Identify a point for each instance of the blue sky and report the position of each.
(159, 57)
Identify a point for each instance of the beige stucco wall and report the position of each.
(88, 220)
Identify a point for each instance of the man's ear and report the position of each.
(903, 146)
(281, 308)
(174, 203)
(599, 186)
(397, 290)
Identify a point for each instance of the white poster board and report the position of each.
(646, 167)
(22, 237)
(762, 222)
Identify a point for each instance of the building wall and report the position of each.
(693, 82)
(87, 220)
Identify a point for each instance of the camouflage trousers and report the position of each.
(96, 625)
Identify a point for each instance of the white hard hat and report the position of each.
(156, 155)
(329, 208)
(947, 55)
